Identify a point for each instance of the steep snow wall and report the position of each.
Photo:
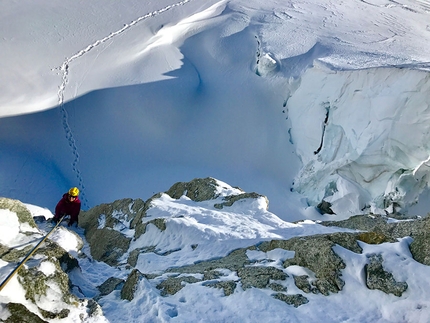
(363, 137)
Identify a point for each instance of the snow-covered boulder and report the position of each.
(202, 189)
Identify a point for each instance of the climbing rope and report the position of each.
(9, 277)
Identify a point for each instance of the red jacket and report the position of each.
(66, 207)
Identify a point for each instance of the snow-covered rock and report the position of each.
(40, 290)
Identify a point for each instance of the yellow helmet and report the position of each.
(74, 191)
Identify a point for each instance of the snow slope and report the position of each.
(216, 232)
(147, 95)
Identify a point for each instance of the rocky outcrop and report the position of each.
(118, 214)
(324, 207)
(296, 300)
(420, 248)
(110, 285)
(249, 275)
(19, 313)
(130, 285)
(316, 253)
(104, 224)
(172, 285)
(382, 229)
(403, 227)
(228, 286)
(137, 224)
(378, 278)
(259, 277)
(108, 245)
(205, 189)
(231, 199)
(45, 277)
(198, 190)
(235, 260)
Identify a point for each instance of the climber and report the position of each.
(68, 205)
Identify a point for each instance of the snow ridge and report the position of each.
(64, 68)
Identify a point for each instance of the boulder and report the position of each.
(172, 285)
(110, 285)
(130, 285)
(136, 223)
(378, 278)
(198, 190)
(420, 248)
(295, 300)
(324, 207)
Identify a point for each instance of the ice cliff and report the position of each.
(362, 136)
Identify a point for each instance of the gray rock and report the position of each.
(378, 223)
(133, 256)
(35, 284)
(324, 207)
(23, 214)
(378, 278)
(259, 277)
(379, 230)
(52, 315)
(231, 199)
(302, 283)
(233, 261)
(199, 189)
(110, 285)
(227, 286)
(160, 223)
(130, 286)
(107, 244)
(19, 313)
(277, 287)
(316, 253)
(94, 308)
(295, 300)
(420, 248)
(52, 250)
(172, 285)
(14, 255)
(211, 274)
(136, 223)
